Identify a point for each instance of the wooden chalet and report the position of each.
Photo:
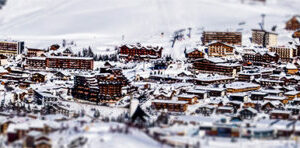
(236, 87)
(242, 97)
(36, 139)
(248, 76)
(34, 52)
(206, 109)
(291, 95)
(62, 76)
(139, 52)
(165, 96)
(191, 99)
(213, 91)
(269, 105)
(260, 58)
(170, 105)
(195, 54)
(280, 114)
(256, 95)
(219, 49)
(248, 113)
(270, 82)
(201, 94)
(38, 78)
(291, 69)
(225, 109)
(293, 23)
(296, 34)
(283, 100)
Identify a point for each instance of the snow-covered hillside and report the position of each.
(101, 23)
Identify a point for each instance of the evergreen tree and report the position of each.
(90, 52)
(64, 43)
(96, 114)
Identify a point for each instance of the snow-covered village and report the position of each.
(149, 73)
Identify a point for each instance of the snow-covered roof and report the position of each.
(275, 97)
(170, 101)
(292, 93)
(241, 85)
(291, 66)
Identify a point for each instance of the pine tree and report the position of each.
(96, 114)
(64, 43)
(95, 57)
(90, 52)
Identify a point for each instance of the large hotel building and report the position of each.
(60, 62)
(11, 47)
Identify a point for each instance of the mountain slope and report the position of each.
(102, 22)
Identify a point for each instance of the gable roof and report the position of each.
(217, 42)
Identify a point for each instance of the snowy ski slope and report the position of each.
(101, 23)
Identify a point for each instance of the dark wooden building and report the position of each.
(60, 62)
(216, 65)
(261, 58)
(64, 62)
(139, 52)
(170, 105)
(99, 88)
(296, 34)
(38, 78)
(34, 52)
(231, 38)
(293, 23)
(195, 54)
(248, 113)
(36, 62)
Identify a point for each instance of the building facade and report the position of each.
(219, 49)
(215, 66)
(139, 52)
(195, 54)
(11, 48)
(99, 88)
(231, 38)
(285, 53)
(293, 23)
(36, 62)
(33, 52)
(264, 38)
(62, 62)
(261, 58)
